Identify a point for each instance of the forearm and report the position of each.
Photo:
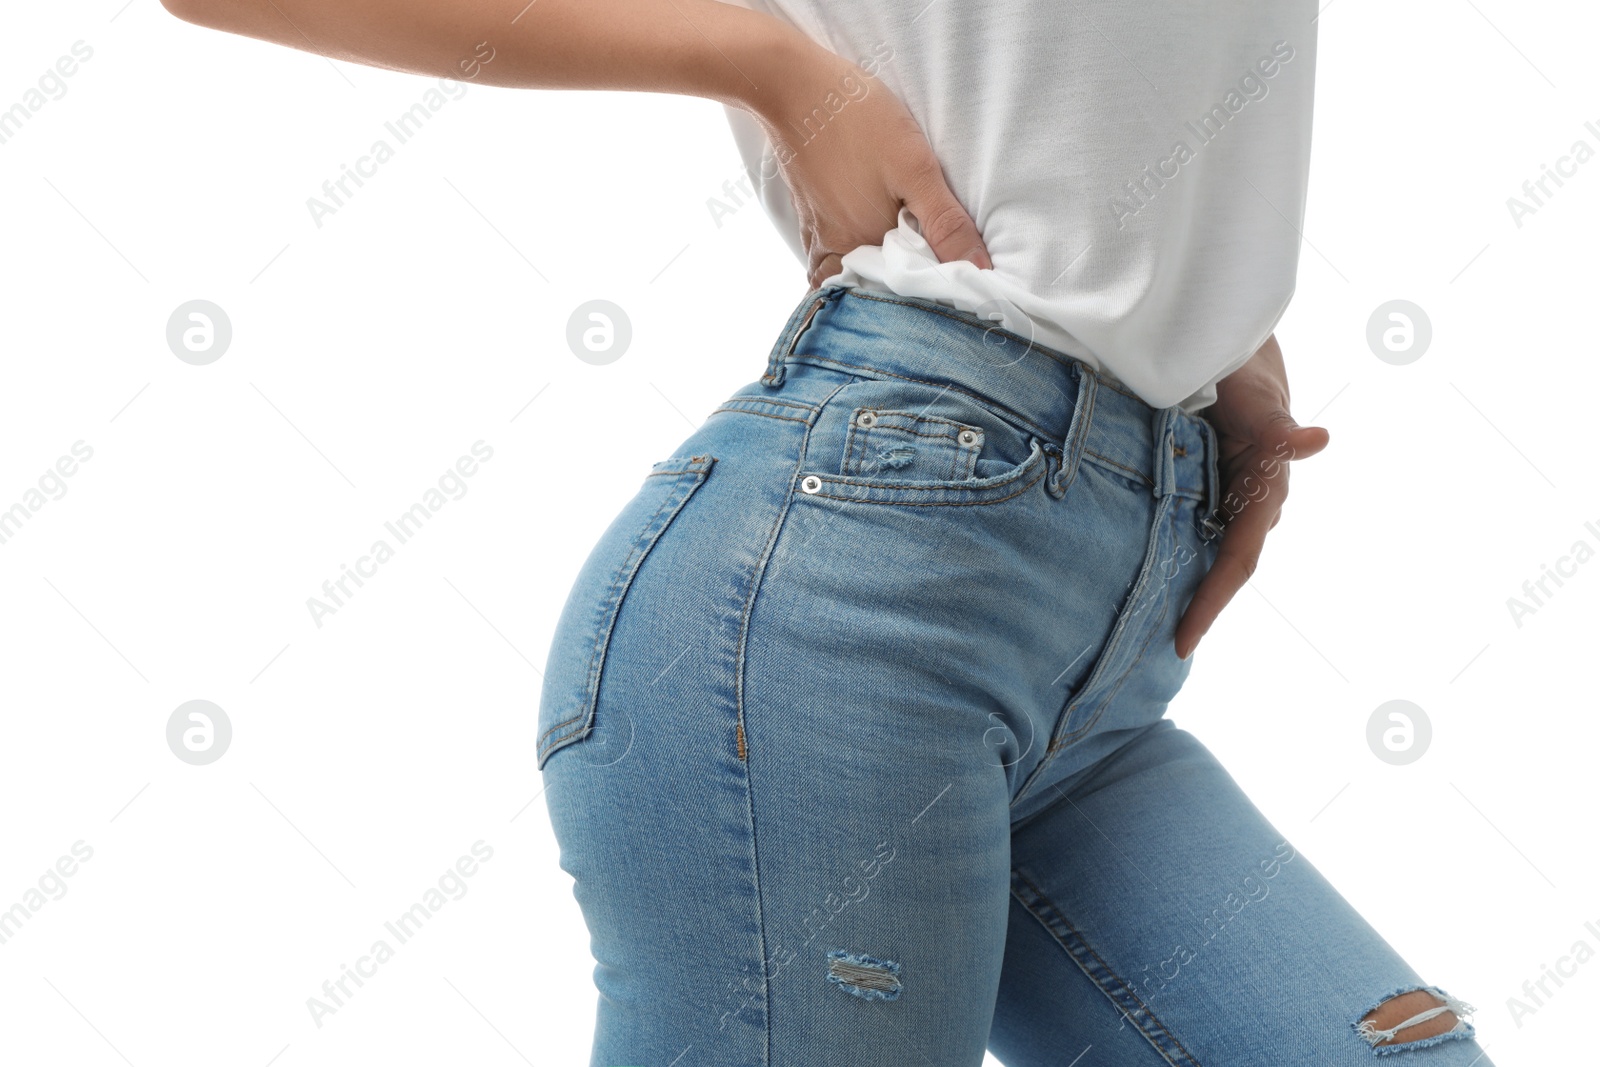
(691, 47)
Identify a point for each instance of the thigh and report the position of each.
(1155, 906)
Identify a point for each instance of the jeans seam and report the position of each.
(1150, 633)
(1066, 739)
(1113, 644)
(1090, 454)
(995, 408)
(1075, 444)
(763, 414)
(757, 579)
(1159, 1041)
(952, 488)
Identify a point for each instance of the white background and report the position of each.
(430, 313)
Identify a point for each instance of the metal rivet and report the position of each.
(810, 483)
(867, 418)
(967, 437)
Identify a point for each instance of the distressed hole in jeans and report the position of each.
(1414, 1018)
(864, 976)
(896, 457)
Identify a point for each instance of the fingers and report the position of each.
(1262, 483)
(945, 224)
(825, 268)
(1281, 435)
(1240, 551)
(1257, 438)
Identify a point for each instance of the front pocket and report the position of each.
(893, 440)
(583, 631)
(913, 445)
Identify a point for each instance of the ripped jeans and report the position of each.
(854, 741)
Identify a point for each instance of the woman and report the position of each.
(853, 724)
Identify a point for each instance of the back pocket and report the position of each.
(583, 631)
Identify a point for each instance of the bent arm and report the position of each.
(690, 47)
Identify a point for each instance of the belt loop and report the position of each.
(1077, 430)
(799, 319)
(1166, 477)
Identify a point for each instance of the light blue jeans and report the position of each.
(852, 728)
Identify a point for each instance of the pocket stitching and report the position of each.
(1036, 458)
(698, 467)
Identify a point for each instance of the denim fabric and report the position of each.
(854, 741)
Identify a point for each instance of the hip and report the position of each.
(908, 493)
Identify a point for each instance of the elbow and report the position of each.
(264, 20)
(199, 12)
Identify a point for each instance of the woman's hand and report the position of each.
(1256, 439)
(852, 154)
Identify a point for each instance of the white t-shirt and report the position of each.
(1137, 170)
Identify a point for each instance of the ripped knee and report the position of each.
(1414, 1017)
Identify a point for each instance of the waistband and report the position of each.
(1063, 400)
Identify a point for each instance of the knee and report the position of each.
(1413, 1016)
